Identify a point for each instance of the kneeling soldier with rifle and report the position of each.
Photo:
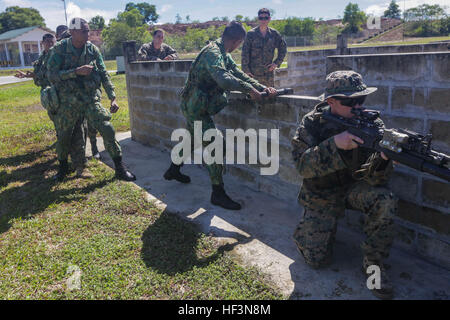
(338, 174)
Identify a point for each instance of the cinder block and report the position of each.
(404, 186)
(441, 67)
(401, 98)
(441, 137)
(148, 66)
(416, 125)
(379, 98)
(428, 217)
(165, 66)
(182, 65)
(436, 193)
(168, 95)
(439, 100)
(277, 111)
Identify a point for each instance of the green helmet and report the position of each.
(345, 83)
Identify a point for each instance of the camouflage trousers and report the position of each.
(91, 133)
(215, 170)
(73, 111)
(76, 141)
(266, 78)
(316, 232)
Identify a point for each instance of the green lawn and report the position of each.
(101, 230)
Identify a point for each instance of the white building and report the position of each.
(20, 47)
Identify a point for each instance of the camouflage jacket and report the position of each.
(212, 74)
(259, 51)
(325, 168)
(148, 53)
(63, 62)
(40, 70)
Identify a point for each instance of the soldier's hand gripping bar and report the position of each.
(280, 92)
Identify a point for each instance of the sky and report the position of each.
(204, 10)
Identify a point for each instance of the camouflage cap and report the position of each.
(346, 83)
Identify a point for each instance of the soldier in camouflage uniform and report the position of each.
(211, 75)
(62, 32)
(259, 49)
(77, 71)
(39, 76)
(157, 50)
(337, 174)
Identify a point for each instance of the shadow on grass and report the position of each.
(172, 245)
(25, 158)
(33, 193)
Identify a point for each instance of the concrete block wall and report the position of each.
(154, 114)
(306, 70)
(413, 92)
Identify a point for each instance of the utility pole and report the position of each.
(65, 11)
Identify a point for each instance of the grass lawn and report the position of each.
(101, 231)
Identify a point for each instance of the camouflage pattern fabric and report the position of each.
(80, 95)
(148, 53)
(259, 51)
(330, 185)
(345, 83)
(212, 74)
(77, 140)
(92, 133)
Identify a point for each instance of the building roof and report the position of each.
(11, 34)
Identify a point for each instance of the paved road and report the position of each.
(11, 79)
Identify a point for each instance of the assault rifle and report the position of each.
(404, 146)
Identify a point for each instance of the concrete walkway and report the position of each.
(260, 234)
(11, 79)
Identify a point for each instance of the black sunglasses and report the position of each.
(263, 18)
(351, 102)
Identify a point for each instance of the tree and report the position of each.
(178, 18)
(188, 18)
(128, 25)
(239, 17)
(226, 19)
(16, 18)
(354, 18)
(425, 20)
(393, 11)
(148, 11)
(97, 23)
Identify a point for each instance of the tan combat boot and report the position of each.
(386, 292)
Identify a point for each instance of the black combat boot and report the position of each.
(220, 198)
(95, 153)
(121, 172)
(63, 170)
(174, 173)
